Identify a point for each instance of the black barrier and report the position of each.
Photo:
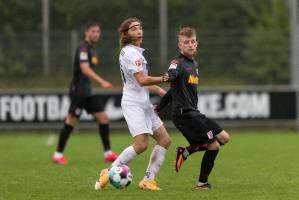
(246, 105)
(49, 107)
(34, 107)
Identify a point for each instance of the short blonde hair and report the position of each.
(187, 31)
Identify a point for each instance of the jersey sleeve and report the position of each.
(83, 54)
(133, 62)
(173, 70)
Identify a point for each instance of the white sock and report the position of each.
(126, 156)
(107, 153)
(156, 160)
(58, 154)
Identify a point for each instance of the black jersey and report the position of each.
(81, 84)
(184, 78)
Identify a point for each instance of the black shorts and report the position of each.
(197, 129)
(91, 104)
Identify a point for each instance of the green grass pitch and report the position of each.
(254, 165)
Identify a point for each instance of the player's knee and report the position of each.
(140, 147)
(105, 120)
(102, 118)
(223, 137)
(226, 138)
(71, 120)
(166, 142)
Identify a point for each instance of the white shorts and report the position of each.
(141, 120)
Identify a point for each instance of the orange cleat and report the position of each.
(180, 158)
(149, 185)
(103, 180)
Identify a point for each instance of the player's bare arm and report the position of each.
(87, 71)
(145, 80)
(157, 90)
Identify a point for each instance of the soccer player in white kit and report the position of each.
(137, 108)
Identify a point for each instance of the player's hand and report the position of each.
(106, 85)
(165, 78)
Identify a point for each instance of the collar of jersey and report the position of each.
(182, 55)
(137, 48)
(89, 44)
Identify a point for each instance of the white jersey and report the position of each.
(131, 61)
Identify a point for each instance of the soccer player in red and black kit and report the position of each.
(201, 132)
(81, 95)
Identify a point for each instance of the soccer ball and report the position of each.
(120, 176)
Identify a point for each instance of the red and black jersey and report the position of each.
(184, 77)
(81, 84)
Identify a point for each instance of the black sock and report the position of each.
(104, 133)
(207, 164)
(63, 137)
(193, 149)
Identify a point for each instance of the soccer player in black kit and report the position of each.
(81, 95)
(202, 133)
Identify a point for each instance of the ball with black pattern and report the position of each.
(120, 176)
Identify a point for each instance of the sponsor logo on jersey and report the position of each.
(210, 135)
(83, 55)
(193, 79)
(94, 60)
(138, 62)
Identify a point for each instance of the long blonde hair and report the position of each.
(124, 38)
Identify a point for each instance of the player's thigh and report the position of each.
(77, 105)
(197, 129)
(94, 104)
(188, 131)
(213, 126)
(154, 119)
(160, 133)
(136, 119)
(140, 143)
(162, 137)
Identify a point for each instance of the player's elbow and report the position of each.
(85, 70)
(142, 84)
(143, 81)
